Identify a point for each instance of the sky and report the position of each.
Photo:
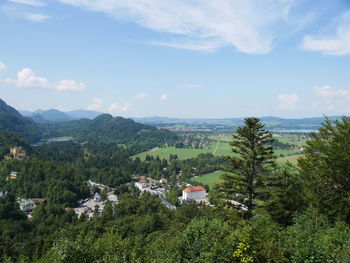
(183, 58)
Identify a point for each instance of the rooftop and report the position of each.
(193, 189)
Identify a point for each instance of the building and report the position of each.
(141, 186)
(26, 205)
(163, 181)
(13, 175)
(97, 197)
(194, 193)
(17, 153)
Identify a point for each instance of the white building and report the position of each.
(97, 197)
(26, 205)
(195, 193)
(141, 186)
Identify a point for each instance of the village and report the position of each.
(101, 194)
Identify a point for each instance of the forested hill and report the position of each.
(11, 120)
(106, 129)
(11, 139)
(102, 129)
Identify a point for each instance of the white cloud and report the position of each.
(27, 78)
(287, 101)
(337, 100)
(35, 17)
(2, 66)
(163, 97)
(126, 107)
(190, 86)
(338, 43)
(71, 85)
(29, 2)
(140, 96)
(96, 105)
(250, 26)
(115, 108)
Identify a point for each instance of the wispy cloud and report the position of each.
(69, 85)
(27, 78)
(29, 2)
(97, 105)
(35, 17)
(26, 13)
(250, 26)
(114, 108)
(140, 96)
(190, 86)
(2, 66)
(332, 99)
(336, 42)
(163, 97)
(288, 101)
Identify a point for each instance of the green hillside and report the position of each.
(11, 120)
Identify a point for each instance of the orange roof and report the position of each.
(194, 188)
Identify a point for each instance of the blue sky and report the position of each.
(212, 59)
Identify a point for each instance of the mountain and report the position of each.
(102, 129)
(25, 113)
(53, 115)
(11, 120)
(108, 129)
(81, 114)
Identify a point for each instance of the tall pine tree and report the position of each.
(253, 159)
(325, 169)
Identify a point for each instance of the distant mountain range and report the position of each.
(52, 115)
(271, 122)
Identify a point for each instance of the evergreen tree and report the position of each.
(253, 158)
(325, 169)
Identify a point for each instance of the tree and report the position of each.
(325, 169)
(253, 159)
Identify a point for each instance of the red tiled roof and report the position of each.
(193, 189)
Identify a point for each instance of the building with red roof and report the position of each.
(195, 193)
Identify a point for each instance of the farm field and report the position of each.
(219, 147)
(216, 148)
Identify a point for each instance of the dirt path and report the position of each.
(216, 148)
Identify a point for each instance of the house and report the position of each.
(13, 175)
(141, 186)
(194, 193)
(26, 205)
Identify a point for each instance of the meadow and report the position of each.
(209, 179)
(219, 146)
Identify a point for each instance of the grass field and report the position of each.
(210, 179)
(213, 178)
(293, 159)
(219, 147)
